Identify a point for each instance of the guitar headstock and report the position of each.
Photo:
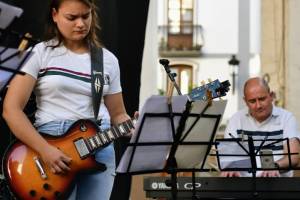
(211, 90)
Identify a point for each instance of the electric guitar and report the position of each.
(29, 178)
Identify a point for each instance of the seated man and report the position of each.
(262, 120)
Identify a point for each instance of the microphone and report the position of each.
(165, 63)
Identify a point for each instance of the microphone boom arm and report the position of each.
(165, 63)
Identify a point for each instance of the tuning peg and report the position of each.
(209, 97)
(225, 85)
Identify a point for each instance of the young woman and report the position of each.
(59, 74)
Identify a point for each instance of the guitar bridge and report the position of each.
(81, 148)
(40, 167)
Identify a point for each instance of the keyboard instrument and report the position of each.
(224, 188)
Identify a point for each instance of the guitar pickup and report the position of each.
(82, 148)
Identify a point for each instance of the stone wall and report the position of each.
(280, 57)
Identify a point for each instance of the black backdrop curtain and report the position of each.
(123, 33)
(123, 25)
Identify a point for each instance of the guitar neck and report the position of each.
(102, 138)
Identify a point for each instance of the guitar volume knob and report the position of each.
(46, 186)
(32, 193)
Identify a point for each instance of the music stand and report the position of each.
(166, 133)
(239, 154)
(11, 60)
(236, 154)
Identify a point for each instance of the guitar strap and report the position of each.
(97, 78)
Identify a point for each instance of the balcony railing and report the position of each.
(180, 41)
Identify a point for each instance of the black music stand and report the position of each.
(244, 154)
(11, 60)
(172, 138)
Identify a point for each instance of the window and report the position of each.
(180, 16)
(180, 24)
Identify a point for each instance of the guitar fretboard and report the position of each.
(105, 137)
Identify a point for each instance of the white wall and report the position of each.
(220, 24)
(220, 21)
(150, 57)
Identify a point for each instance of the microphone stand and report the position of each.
(171, 161)
(253, 164)
(165, 63)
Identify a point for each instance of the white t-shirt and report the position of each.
(281, 124)
(63, 87)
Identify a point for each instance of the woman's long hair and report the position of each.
(53, 32)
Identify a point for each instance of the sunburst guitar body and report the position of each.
(29, 178)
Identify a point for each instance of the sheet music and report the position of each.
(232, 148)
(236, 156)
(158, 129)
(189, 156)
(155, 129)
(236, 162)
(7, 14)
